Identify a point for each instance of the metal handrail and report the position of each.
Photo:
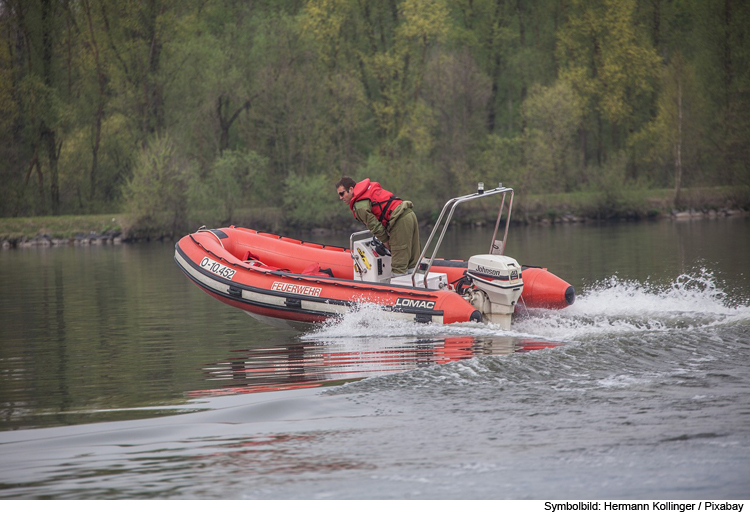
(452, 204)
(357, 235)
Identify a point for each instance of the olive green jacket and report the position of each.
(363, 211)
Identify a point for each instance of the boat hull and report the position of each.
(276, 294)
(542, 289)
(288, 282)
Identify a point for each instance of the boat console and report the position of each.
(492, 282)
(372, 263)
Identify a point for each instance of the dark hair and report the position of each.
(346, 182)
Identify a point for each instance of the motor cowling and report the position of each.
(497, 283)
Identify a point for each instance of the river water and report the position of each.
(119, 379)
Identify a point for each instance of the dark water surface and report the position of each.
(120, 379)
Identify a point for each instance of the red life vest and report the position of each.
(383, 202)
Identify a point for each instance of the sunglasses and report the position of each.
(342, 193)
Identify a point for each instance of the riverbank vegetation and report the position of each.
(175, 113)
(579, 207)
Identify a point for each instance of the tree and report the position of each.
(101, 78)
(135, 33)
(215, 78)
(388, 51)
(722, 64)
(674, 141)
(611, 68)
(156, 196)
(34, 34)
(457, 93)
(286, 124)
(237, 179)
(424, 95)
(13, 150)
(553, 114)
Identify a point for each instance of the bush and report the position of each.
(237, 179)
(616, 195)
(312, 202)
(156, 196)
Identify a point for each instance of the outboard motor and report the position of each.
(496, 286)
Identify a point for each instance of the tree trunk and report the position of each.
(225, 123)
(49, 139)
(99, 117)
(40, 180)
(492, 111)
(678, 145)
(522, 42)
(48, 135)
(599, 143)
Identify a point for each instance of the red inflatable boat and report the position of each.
(284, 281)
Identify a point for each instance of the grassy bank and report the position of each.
(60, 227)
(615, 205)
(530, 208)
(638, 204)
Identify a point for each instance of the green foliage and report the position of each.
(610, 65)
(376, 169)
(410, 179)
(458, 93)
(312, 202)
(156, 197)
(553, 115)
(236, 180)
(502, 162)
(671, 146)
(425, 96)
(616, 195)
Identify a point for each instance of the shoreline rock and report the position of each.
(116, 238)
(79, 239)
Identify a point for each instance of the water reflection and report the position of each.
(329, 363)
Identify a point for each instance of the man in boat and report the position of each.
(389, 218)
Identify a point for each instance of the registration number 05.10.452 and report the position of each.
(217, 268)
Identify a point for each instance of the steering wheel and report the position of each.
(379, 247)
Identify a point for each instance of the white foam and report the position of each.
(368, 320)
(609, 308)
(697, 292)
(618, 307)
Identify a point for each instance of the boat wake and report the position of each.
(617, 306)
(608, 308)
(613, 323)
(619, 335)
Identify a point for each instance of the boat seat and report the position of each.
(250, 257)
(254, 261)
(314, 269)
